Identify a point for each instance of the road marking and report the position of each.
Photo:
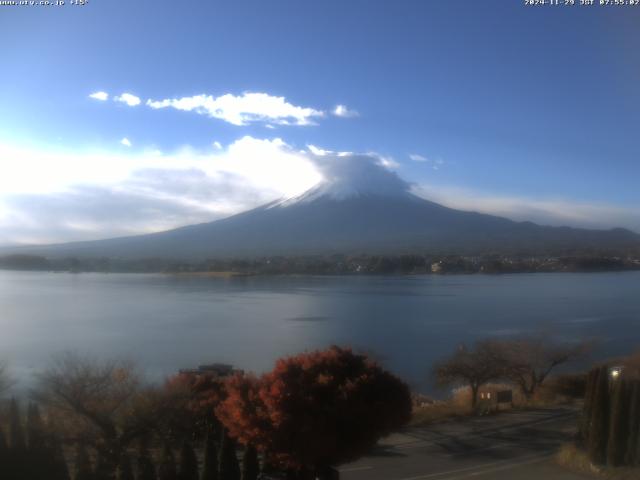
(355, 469)
(501, 465)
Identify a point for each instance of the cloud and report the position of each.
(435, 164)
(549, 211)
(128, 99)
(357, 174)
(102, 96)
(125, 141)
(344, 112)
(50, 195)
(217, 145)
(53, 196)
(243, 109)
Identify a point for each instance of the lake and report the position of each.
(169, 322)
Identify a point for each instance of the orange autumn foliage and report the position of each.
(316, 409)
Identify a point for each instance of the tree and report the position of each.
(229, 469)
(167, 466)
(472, 368)
(5, 380)
(599, 427)
(41, 458)
(145, 469)
(587, 410)
(4, 454)
(250, 464)
(105, 469)
(57, 462)
(188, 462)
(619, 426)
(196, 394)
(528, 361)
(316, 409)
(125, 471)
(16, 434)
(631, 457)
(35, 429)
(210, 467)
(83, 464)
(100, 404)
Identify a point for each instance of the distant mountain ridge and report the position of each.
(366, 216)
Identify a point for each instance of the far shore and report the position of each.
(226, 274)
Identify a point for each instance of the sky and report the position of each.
(120, 117)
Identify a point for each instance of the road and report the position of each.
(510, 446)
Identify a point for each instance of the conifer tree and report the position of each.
(38, 458)
(210, 467)
(250, 465)
(167, 466)
(188, 462)
(16, 434)
(104, 469)
(634, 423)
(59, 470)
(619, 424)
(599, 425)
(125, 471)
(229, 468)
(4, 453)
(35, 429)
(145, 470)
(17, 465)
(587, 411)
(83, 464)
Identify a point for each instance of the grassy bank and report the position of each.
(574, 458)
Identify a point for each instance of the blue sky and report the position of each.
(528, 112)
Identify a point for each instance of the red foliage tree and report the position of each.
(316, 409)
(191, 398)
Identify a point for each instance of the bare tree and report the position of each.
(529, 360)
(97, 403)
(471, 367)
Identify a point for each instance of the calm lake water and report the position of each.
(166, 322)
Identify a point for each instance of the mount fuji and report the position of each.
(357, 208)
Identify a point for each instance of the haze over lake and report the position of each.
(169, 322)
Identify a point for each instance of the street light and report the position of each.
(615, 372)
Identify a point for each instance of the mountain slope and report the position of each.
(343, 218)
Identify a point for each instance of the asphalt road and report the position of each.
(510, 446)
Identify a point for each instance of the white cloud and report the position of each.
(244, 109)
(435, 164)
(387, 162)
(217, 145)
(321, 152)
(318, 151)
(344, 112)
(49, 195)
(128, 98)
(545, 211)
(102, 96)
(126, 142)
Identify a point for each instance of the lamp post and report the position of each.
(615, 372)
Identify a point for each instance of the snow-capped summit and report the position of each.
(359, 207)
(355, 176)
